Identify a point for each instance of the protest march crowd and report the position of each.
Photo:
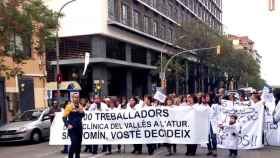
(74, 111)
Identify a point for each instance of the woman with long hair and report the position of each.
(169, 103)
(148, 103)
(191, 148)
(212, 137)
(132, 104)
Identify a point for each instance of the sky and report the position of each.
(252, 18)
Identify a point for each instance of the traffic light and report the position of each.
(59, 78)
(163, 83)
(98, 86)
(218, 49)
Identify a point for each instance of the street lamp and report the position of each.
(161, 56)
(163, 79)
(58, 75)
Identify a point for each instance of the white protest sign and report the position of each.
(160, 96)
(86, 62)
(180, 125)
(250, 121)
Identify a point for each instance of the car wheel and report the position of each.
(36, 136)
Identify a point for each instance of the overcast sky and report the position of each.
(252, 18)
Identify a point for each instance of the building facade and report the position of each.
(27, 91)
(125, 39)
(245, 43)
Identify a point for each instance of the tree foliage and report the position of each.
(238, 64)
(24, 19)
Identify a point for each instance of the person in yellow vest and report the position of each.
(72, 117)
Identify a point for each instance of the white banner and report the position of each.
(250, 125)
(271, 131)
(178, 125)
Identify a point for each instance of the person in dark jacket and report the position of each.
(72, 117)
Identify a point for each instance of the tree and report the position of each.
(238, 64)
(175, 71)
(23, 19)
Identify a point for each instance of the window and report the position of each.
(111, 8)
(169, 10)
(158, 4)
(199, 11)
(162, 31)
(124, 14)
(182, 16)
(146, 24)
(136, 20)
(19, 45)
(155, 28)
(191, 4)
(169, 34)
(175, 14)
(179, 17)
(154, 3)
(195, 8)
(115, 49)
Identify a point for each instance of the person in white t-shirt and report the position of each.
(98, 106)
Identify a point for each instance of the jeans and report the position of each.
(76, 142)
(233, 152)
(191, 149)
(170, 146)
(212, 145)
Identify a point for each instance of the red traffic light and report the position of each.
(59, 78)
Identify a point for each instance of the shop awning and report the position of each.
(66, 85)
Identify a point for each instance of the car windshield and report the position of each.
(27, 116)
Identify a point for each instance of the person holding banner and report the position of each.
(191, 148)
(111, 107)
(133, 105)
(99, 106)
(212, 145)
(148, 103)
(169, 103)
(72, 117)
(177, 101)
(256, 100)
(84, 102)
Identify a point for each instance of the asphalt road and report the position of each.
(43, 150)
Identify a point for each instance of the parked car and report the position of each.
(31, 125)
